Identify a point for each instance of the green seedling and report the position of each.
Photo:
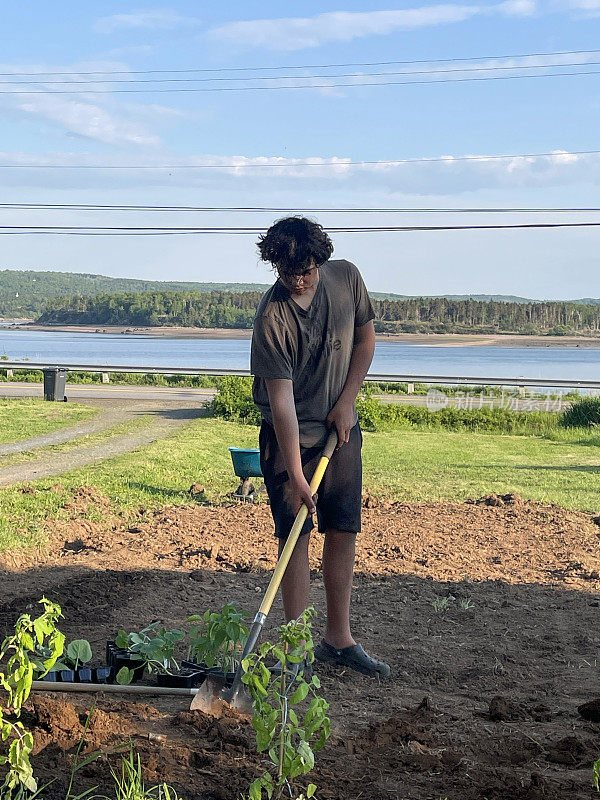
(79, 652)
(289, 740)
(441, 604)
(596, 775)
(466, 603)
(219, 638)
(153, 646)
(79, 763)
(30, 636)
(129, 785)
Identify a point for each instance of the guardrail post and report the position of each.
(410, 388)
(105, 377)
(9, 373)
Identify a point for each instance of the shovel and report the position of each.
(214, 696)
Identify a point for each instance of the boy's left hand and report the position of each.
(342, 416)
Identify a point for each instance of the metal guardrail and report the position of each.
(466, 380)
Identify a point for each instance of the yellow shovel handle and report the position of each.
(288, 549)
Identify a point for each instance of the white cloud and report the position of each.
(587, 8)
(134, 51)
(516, 8)
(451, 176)
(156, 19)
(93, 116)
(86, 119)
(295, 33)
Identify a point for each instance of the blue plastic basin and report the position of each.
(246, 463)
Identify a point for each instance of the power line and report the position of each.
(292, 209)
(309, 77)
(66, 230)
(288, 165)
(308, 86)
(306, 66)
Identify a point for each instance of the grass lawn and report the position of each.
(407, 465)
(443, 465)
(24, 418)
(87, 440)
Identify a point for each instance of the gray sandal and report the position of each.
(353, 657)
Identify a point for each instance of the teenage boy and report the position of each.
(312, 345)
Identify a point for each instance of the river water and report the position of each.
(390, 357)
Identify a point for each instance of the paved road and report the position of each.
(102, 391)
(84, 392)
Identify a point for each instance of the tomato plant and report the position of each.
(219, 638)
(20, 648)
(289, 739)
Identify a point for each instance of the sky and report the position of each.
(209, 141)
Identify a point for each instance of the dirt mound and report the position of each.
(499, 537)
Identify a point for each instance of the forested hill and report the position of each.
(220, 309)
(24, 293)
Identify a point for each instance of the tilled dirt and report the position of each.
(487, 612)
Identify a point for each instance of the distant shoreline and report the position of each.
(430, 340)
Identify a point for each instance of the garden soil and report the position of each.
(487, 612)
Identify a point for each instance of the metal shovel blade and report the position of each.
(217, 698)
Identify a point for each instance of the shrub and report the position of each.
(234, 401)
(583, 413)
(376, 416)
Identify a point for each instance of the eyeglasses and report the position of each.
(289, 276)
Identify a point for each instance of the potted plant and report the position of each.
(218, 638)
(65, 669)
(121, 656)
(153, 649)
(73, 665)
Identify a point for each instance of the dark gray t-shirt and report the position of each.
(311, 348)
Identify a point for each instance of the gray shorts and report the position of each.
(339, 497)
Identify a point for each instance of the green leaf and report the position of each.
(263, 740)
(79, 651)
(124, 676)
(311, 789)
(122, 640)
(305, 751)
(299, 694)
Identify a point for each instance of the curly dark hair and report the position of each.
(292, 245)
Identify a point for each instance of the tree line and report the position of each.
(25, 293)
(223, 309)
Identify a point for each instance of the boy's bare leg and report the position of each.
(295, 586)
(339, 552)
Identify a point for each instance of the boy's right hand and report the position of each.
(301, 495)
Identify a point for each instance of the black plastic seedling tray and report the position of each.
(117, 658)
(184, 679)
(81, 675)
